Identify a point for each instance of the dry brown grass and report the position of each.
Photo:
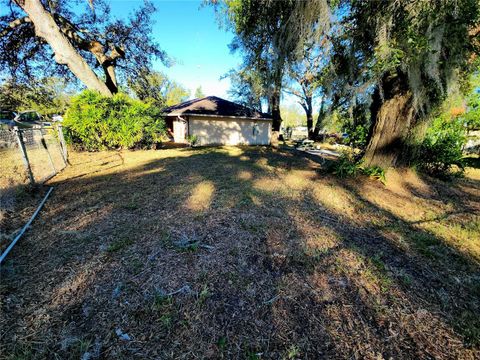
(243, 253)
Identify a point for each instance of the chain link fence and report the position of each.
(28, 156)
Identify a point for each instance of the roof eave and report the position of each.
(219, 116)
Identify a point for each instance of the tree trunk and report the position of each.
(108, 63)
(275, 109)
(390, 129)
(320, 118)
(65, 54)
(110, 76)
(308, 111)
(374, 109)
(310, 124)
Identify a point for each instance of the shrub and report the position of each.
(96, 122)
(192, 140)
(440, 154)
(472, 116)
(348, 166)
(375, 172)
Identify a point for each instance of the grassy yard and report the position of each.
(243, 253)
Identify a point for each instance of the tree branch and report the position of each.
(95, 47)
(294, 93)
(71, 32)
(15, 23)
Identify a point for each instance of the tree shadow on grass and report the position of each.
(472, 161)
(232, 253)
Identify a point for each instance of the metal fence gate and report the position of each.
(29, 156)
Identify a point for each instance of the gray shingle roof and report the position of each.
(212, 105)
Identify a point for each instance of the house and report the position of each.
(215, 121)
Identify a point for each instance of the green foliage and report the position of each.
(423, 43)
(333, 121)
(347, 166)
(119, 244)
(472, 116)
(192, 139)
(441, 150)
(387, 58)
(375, 172)
(292, 116)
(157, 88)
(199, 93)
(125, 42)
(95, 122)
(357, 135)
(164, 309)
(246, 87)
(48, 96)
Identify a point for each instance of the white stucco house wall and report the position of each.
(215, 121)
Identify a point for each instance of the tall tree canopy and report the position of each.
(395, 59)
(156, 87)
(265, 35)
(246, 87)
(411, 53)
(75, 39)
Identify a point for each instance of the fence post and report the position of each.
(23, 150)
(44, 143)
(62, 144)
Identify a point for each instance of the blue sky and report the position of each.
(190, 34)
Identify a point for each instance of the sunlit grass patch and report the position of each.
(463, 237)
(335, 198)
(323, 241)
(244, 175)
(267, 184)
(369, 271)
(201, 196)
(298, 179)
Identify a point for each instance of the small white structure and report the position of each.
(215, 121)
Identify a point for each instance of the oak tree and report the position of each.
(75, 40)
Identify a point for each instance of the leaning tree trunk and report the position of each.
(320, 119)
(390, 129)
(65, 54)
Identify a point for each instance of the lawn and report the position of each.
(247, 253)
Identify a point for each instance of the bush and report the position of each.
(348, 166)
(472, 116)
(192, 140)
(440, 154)
(96, 122)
